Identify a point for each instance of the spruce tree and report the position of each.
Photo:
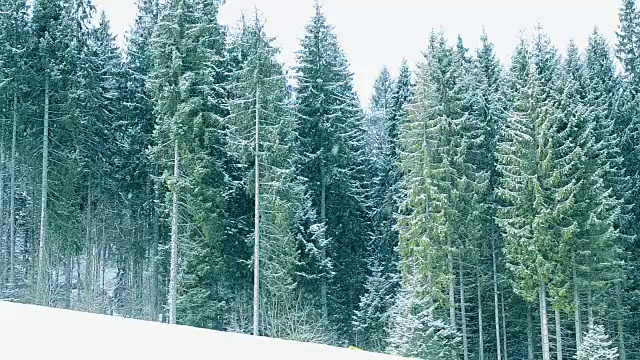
(415, 329)
(489, 103)
(573, 140)
(331, 135)
(59, 35)
(525, 160)
(13, 80)
(597, 345)
(262, 138)
(628, 36)
(187, 82)
(603, 85)
(441, 178)
(134, 166)
(98, 99)
(628, 129)
(372, 315)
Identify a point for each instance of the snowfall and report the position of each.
(42, 333)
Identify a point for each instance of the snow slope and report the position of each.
(41, 333)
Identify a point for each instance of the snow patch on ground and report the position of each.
(35, 332)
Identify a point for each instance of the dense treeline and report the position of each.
(472, 211)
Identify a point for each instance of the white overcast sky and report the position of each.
(375, 33)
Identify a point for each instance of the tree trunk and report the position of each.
(495, 297)
(154, 257)
(480, 335)
(544, 326)
(173, 275)
(463, 313)
(576, 300)
(256, 230)
(323, 220)
(590, 305)
(78, 280)
(558, 335)
(3, 161)
(41, 282)
(68, 270)
(504, 329)
(12, 199)
(452, 285)
(103, 268)
(621, 342)
(103, 257)
(529, 333)
(88, 283)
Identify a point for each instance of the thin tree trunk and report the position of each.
(141, 263)
(103, 268)
(558, 335)
(12, 199)
(173, 276)
(480, 326)
(529, 333)
(256, 230)
(41, 284)
(576, 300)
(621, 342)
(88, 283)
(154, 257)
(495, 296)
(68, 270)
(131, 269)
(504, 329)
(323, 219)
(3, 161)
(103, 256)
(590, 305)
(465, 341)
(544, 325)
(100, 254)
(78, 280)
(452, 296)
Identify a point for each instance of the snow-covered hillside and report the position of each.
(35, 332)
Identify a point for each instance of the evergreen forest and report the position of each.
(472, 210)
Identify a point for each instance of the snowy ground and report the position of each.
(40, 333)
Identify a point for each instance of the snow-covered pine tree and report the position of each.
(597, 345)
(331, 136)
(13, 80)
(400, 98)
(371, 317)
(68, 198)
(134, 166)
(602, 95)
(490, 104)
(422, 205)
(441, 177)
(628, 38)
(97, 151)
(472, 184)
(628, 126)
(187, 81)
(260, 117)
(60, 32)
(377, 123)
(572, 141)
(525, 160)
(514, 211)
(415, 331)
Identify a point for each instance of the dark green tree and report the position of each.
(331, 135)
(187, 81)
